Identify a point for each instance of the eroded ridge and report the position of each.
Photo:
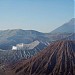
(56, 59)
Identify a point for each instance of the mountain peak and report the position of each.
(66, 28)
(72, 21)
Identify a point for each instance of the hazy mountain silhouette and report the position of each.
(66, 28)
(56, 59)
(8, 38)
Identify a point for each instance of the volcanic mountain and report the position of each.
(56, 59)
(9, 38)
(68, 27)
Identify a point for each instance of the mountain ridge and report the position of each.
(66, 27)
(56, 59)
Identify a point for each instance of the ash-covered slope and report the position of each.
(25, 52)
(56, 59)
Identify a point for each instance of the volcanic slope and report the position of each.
(56, 59)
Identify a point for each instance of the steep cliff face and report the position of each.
(56, 59)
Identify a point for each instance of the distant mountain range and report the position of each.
(57, 59)
(9, 38)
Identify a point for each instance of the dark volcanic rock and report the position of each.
(56, 59)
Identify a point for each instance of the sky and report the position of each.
(39, 15)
